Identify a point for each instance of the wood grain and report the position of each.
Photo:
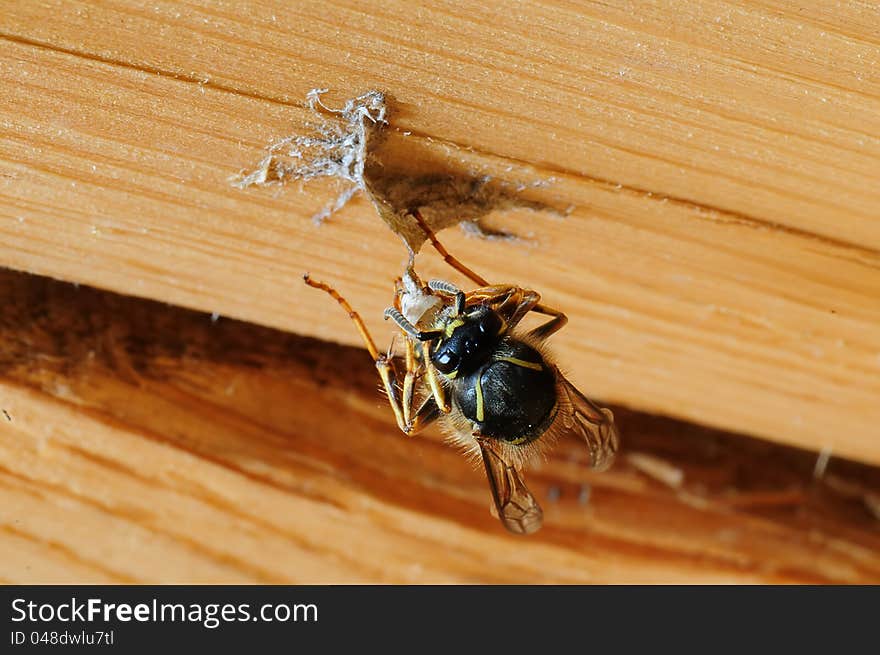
(721, 260)
(146, 443)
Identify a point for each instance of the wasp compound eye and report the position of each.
(445, 359)
(491, 324)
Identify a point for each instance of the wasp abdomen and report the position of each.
(512, 397)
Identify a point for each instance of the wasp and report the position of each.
(494, 387)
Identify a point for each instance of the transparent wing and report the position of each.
(516, 506)
(594, 424)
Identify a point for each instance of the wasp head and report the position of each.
(467, 340)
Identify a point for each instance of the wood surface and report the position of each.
(721, 260)
(141, 442)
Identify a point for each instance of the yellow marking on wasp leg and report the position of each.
(480, 415)
(383, 367)
(437, 389)
(409, 380)
(521, 362)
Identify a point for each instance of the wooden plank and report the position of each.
(684, 268)
(760, 109)
(146, 443)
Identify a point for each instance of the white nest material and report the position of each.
(347, 146)
(337, 149)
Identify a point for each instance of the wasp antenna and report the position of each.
(444, 287)
(409, 328)
(402, 323)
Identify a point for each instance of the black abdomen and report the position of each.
(512, 397)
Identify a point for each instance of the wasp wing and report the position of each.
(594, 424)
(516, 506)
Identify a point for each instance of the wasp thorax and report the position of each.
(468, 343)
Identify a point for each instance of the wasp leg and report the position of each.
(550, 327)
(412, 368)
(437, 390)
(384, 363)
(429, 410)
(389, 381)
(514, 303)
(528, 303)
(427, 414)
(353, 315)
(449, 259)
(556, 323)
(435, 404)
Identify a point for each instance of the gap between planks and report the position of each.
(171, 448)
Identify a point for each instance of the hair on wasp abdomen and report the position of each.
(493, 387)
